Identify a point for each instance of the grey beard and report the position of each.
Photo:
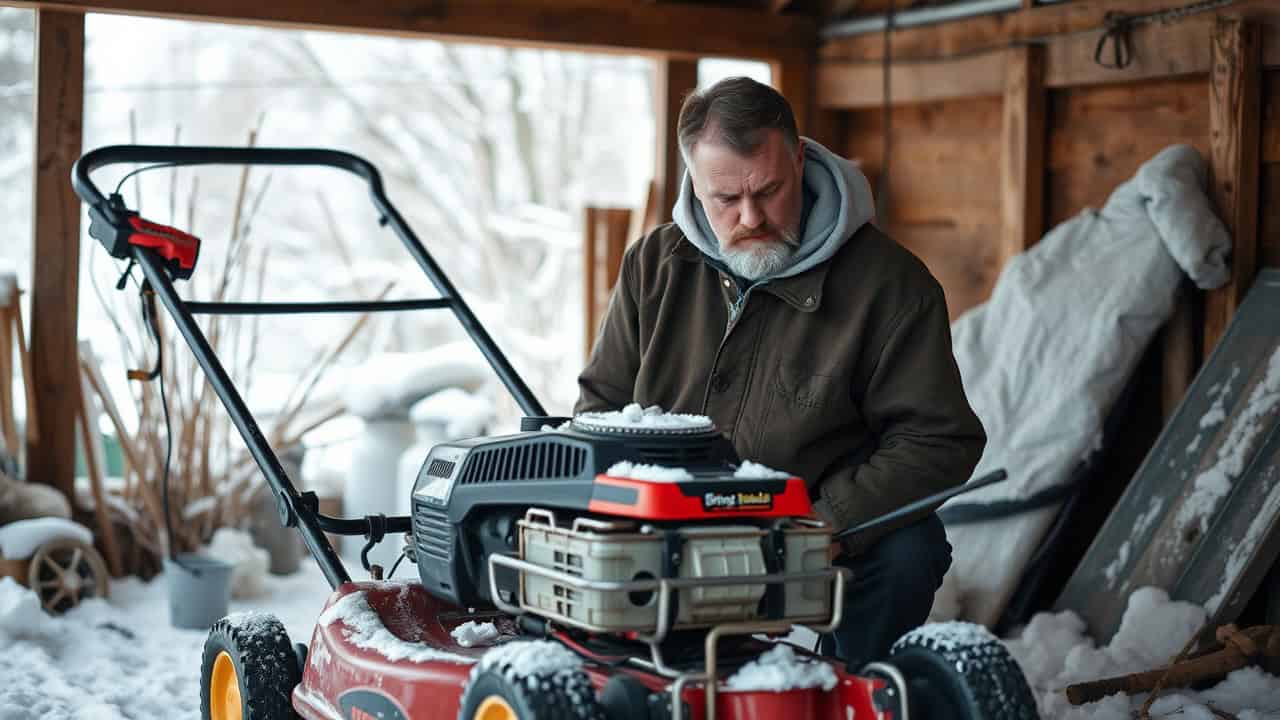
(761, 260)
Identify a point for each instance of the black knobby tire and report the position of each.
(266, 666)
(960, 671)
(562, 695)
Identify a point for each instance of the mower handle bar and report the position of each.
(295, 509)
(354, 164)
(911, 508)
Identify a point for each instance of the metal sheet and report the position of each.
(1201, 518)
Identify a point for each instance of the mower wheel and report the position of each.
(960, 671)
(249, 670)
(497, 693)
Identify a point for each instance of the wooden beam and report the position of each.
(608, 25)
(673, 79)
(1159, 51)
(1022, 156)
(59, 82)
(854, 85)
(1235, 110)
(998, 31)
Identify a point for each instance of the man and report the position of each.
(816, 343)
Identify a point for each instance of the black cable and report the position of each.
(149, 318)
(395, 565)
(144, 168)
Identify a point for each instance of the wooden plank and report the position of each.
(605, 241)
(988, 32)
(1234, 115)
(1022, 159)
(937, 211)
(673, 79)
(794, 78)
(607, 25)
(56, 367)
(1100, 135)
(1159, 51)
(1202, 515)
(1180, 351)
(1271, 117)
(845, 85)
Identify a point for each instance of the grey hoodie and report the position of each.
(841, 203)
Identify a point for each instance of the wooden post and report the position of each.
(793, 76)
(604, 236)
(56, 256)
(673, 79)
(1022, 156)
(1235, 111)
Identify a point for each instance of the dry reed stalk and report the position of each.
(111, 550)
(8, 422)
(28, 381)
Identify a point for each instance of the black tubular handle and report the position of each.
(912, 508)
(210, 155)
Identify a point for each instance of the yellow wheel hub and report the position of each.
(495, 708)
(224, 689)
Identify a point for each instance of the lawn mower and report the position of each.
(615, 566)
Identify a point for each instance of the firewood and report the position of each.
(1240, 649)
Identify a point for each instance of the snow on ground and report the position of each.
(119, 658)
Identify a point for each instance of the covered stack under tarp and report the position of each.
(1045, 358)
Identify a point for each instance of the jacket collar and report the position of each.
(803, 291)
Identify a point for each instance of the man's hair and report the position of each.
(738, 110)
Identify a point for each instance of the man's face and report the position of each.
(753, 203)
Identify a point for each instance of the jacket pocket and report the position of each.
(803, 388)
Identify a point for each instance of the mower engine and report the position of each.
(619, 522)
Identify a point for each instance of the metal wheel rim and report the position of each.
(495, 707)
(224, 690)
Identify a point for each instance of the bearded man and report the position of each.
(816, 343)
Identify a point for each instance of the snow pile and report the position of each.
(20, 539)
(1054, 652)
(474, 634)
(1214, 484)
(755, 471)
(365, 629)
(779, 670)
(653, 473)
(118, 658)
(532, 658)
(389, 383)
(651, 417)
(461, 414)
(249, 563)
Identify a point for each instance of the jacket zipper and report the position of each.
(741, 305)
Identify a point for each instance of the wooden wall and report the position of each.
(936, 208)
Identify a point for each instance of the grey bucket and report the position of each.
(199, 590)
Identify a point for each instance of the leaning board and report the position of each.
(1202, 516)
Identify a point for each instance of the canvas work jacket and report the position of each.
(842, 375)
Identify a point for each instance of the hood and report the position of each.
(840, 203)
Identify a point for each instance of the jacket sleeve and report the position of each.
(608, 381)
(928, 438)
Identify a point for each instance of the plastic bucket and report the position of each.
(199, 590)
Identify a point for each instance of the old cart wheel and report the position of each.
(64, 571)
(960, 671)
(249, 670)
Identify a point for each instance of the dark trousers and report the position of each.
(891, 591)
